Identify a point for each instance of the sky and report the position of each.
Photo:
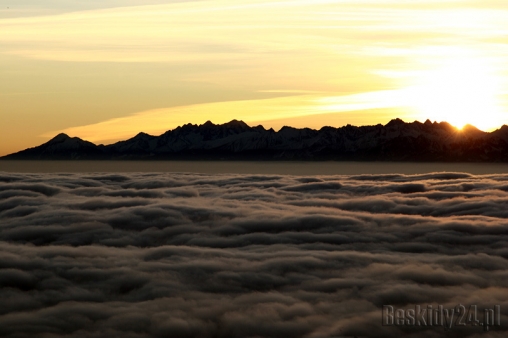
(106, 70)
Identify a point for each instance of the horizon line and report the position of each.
(397, 120)
(252, 125)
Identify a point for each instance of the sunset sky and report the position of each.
(105, 70)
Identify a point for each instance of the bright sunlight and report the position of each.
(464, 91)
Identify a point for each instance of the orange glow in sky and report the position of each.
(106, 70)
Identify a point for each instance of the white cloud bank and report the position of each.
(246, 255)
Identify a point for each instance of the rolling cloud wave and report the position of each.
(234, 255)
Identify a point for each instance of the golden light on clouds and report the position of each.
(421, 59)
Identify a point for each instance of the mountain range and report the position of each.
(235, 140)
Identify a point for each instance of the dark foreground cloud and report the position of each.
(230, 255)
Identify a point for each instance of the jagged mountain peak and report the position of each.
(501, 133)
(59, 138)
(395, 122)
(62, 140)
(230, 124)
(235, 123)
(259, 128)
(143, 135)
(235, 140)
(61, 147)
(471, 129)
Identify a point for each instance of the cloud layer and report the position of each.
(234, 255)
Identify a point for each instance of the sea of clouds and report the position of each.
(237, 255)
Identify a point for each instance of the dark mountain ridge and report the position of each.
(235, 140)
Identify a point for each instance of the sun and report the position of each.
(462, 91)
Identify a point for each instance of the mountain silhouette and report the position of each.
(235, 140)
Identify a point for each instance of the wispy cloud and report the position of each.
(221, 31)
(269, 112)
